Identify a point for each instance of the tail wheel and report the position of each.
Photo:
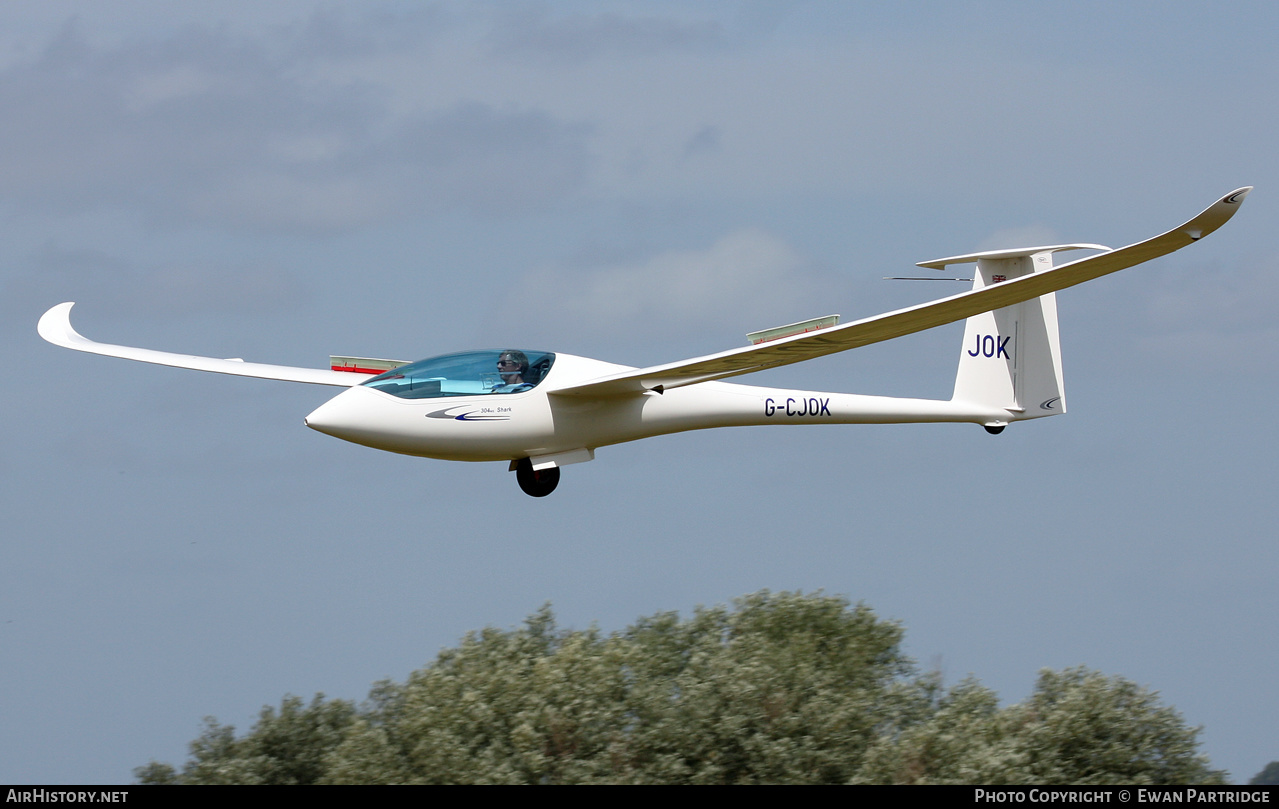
(536, 482)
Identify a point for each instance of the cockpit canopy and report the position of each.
(469, 373)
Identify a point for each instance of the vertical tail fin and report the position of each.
(1011, 357)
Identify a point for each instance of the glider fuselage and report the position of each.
(538, 422)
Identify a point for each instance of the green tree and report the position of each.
(1269, 776)
(783, 687)
(288, 746)
(1078, 727)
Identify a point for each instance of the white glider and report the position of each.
(541, 411)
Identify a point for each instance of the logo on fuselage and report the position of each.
(472, 413)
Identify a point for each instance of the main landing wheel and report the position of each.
(536, 482)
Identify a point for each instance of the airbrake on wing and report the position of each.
(364, 365)
(803, 327)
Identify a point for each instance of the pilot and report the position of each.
(512, 366)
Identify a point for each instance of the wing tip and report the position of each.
(55, 325)
(1215, 215)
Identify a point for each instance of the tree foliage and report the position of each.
(1078, 727)
(784, 687)
(1269, 776)
(289, 746)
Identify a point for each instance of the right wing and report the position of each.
(906, 321)
(55, 326)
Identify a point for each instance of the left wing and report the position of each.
(906, 321)
(55, 326)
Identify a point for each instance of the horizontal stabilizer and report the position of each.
(1019, 252)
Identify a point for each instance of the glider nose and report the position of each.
(340, 417)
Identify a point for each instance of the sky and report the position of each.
(639, 183)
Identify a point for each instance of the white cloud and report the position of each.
(742, 280)
(200, 127)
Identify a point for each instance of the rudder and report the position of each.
(1011, 357)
